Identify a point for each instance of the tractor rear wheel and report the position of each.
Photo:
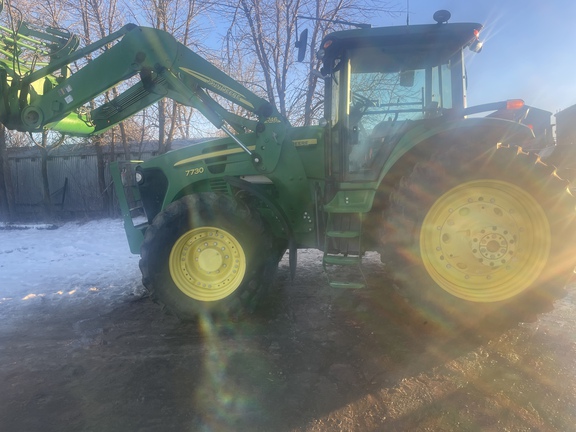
(206, 254)
(481, 237)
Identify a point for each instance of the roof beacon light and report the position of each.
(514, 104)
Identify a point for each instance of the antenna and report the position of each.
(407, 12)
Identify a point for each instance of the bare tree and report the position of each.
(6, 189)
(27, 60)
(180, 18)
(265, 30)
(48, 142)
(98, 19)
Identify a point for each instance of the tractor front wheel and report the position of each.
(206, 253)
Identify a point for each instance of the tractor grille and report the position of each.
(219, 185)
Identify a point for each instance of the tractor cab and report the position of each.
(382, 82)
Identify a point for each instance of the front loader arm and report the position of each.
(152, 63)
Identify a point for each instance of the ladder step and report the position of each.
(347, 285)
(351, 201)
(342, 247)
(342, 260)
(343, 234)
(141, 226)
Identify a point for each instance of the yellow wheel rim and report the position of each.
(485, 241)
(207, 264)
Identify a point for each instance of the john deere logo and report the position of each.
(219, 87)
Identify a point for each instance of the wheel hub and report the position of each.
(209, 260)
(207, 263)
(493, 246)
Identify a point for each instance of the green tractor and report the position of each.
(467, 222)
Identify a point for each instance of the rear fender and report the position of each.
(421, 141)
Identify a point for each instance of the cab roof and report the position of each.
(450, 36)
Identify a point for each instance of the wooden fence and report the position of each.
(72, 178)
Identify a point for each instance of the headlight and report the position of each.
(139, 177)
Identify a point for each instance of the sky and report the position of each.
(527, 53)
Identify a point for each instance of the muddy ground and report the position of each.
(310, 360)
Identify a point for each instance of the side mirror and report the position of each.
(301, 44)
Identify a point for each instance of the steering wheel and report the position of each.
(361, 103)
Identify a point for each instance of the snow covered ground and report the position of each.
(74, 260)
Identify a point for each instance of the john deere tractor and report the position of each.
(467, 222)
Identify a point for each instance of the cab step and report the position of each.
(343, 234)
(346, 285)
(342, 259)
